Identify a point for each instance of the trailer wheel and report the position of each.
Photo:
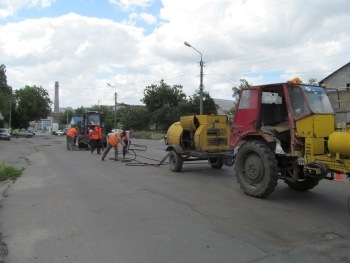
(303, 184)
(256, 169)
(216, 163)
(175, 161)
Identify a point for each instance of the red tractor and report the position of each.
(89, 121)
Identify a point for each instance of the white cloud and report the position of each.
(262, 41)
(147, 17)
(9, 8)
(130, 4)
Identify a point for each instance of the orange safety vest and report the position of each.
(96, 133)
(100, 132)
(72, 132)
(115, 139)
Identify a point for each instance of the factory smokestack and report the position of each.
(57, 98)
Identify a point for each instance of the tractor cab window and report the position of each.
(93, 119)
(318, 100)
(248, 100)
(273, 109)
(298, 102)
(271, 98)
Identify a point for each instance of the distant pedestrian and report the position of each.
(113, 141)
(128, 137)
(70, 135)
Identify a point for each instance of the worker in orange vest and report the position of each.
(70, 135)
(128, 135)
(95, 139)
(113, 141)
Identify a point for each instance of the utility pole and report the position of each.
(115, 109)
(201, 88)
(201, 64)
(115, 104)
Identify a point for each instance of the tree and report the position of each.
(236, 90)
(135, 118)
(66, 117)
(209, 106)
(312, 81)
(3, 78)
(156, 96)
(33, 103)
(79, 112)
(6, 98)
(162, 101)
(165, 116)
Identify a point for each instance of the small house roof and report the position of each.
(335, 72)
(75, 119)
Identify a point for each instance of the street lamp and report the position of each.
(201, 80)
(115, 104)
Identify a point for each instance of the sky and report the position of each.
(85, 45)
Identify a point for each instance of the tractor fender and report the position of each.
(271, 141)
(177, 148)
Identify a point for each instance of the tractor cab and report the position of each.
(276, 111)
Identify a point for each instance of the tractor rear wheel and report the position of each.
(175, 161)
(256, 169)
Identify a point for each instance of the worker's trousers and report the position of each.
(109, 146)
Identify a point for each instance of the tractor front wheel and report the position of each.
(256, 169)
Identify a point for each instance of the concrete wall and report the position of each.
(340, 100)
(338, 89)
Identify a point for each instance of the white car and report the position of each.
(113, 131)
(60, 132)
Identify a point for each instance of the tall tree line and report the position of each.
(21, 106)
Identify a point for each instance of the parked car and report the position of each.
(61, 132)
(5, 134)
(24, 133)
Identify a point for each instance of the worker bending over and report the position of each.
(70, 135)
(113, 141)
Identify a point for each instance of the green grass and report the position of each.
(9, 172)
(148, 135)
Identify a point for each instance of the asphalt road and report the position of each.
(69, 206)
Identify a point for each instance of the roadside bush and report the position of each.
(9, 172)
(148, 135)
